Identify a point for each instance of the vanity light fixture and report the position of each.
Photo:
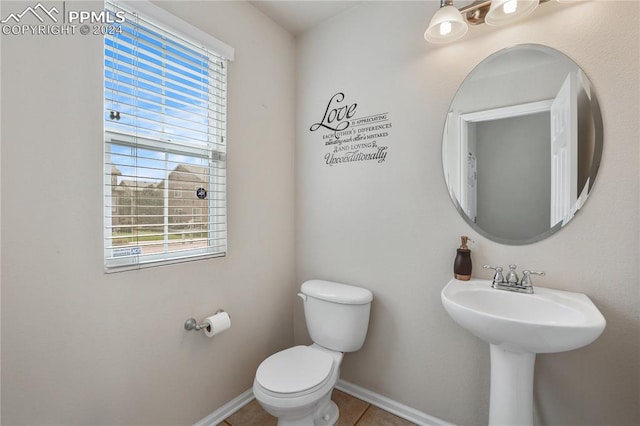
(446, 25)
(450, 23)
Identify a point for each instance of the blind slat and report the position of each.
(132, 103)
(133, 84)
(144, 145)
(130, 55)
(129, 65)
(151, 125)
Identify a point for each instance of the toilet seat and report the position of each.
(294, 372)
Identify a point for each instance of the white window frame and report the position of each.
(179, 27)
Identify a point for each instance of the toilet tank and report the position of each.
(337, 315)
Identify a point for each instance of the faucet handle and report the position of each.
(512, 276)
(526, 277)
(497, 278)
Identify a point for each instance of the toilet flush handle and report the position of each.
(303, 297)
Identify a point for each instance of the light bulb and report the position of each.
(510, 6)
(445, 28)
(503, 12)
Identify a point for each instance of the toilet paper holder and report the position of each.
(192, 324)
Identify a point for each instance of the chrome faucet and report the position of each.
(511, 283)
(526, 277)
(512, 277)
(498, 277)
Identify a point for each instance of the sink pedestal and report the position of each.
(518, 326)
(511, 400)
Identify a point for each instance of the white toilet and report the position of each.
(295, 384)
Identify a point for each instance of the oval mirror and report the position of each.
(522, 144)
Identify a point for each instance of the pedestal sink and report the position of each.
(518, 326)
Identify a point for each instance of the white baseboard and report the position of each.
(227, 409)
(393, 407)
(380, 401)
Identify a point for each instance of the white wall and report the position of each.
(391, 227)
(82, 347)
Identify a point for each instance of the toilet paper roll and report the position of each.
(217, 323)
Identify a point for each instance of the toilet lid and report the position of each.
(294, 370)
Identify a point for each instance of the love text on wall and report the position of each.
(350, 138)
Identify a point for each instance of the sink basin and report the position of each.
(518, 326)
(547, 321)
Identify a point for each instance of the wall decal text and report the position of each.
(350, 138)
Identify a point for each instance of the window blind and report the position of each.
(165, 146)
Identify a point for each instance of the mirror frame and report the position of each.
(598, 142)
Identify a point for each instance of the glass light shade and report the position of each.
(446, 25)
(503, 12)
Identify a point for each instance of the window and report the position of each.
(164, 139)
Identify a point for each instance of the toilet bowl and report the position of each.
(295, 385)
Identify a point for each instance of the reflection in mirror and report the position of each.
(522, 144)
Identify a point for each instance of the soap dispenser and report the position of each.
(462, 264)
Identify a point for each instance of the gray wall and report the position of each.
(391, 227)
(514, 176)
(82, 347)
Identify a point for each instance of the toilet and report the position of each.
(295, 385)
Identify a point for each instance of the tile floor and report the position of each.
(353, 412)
